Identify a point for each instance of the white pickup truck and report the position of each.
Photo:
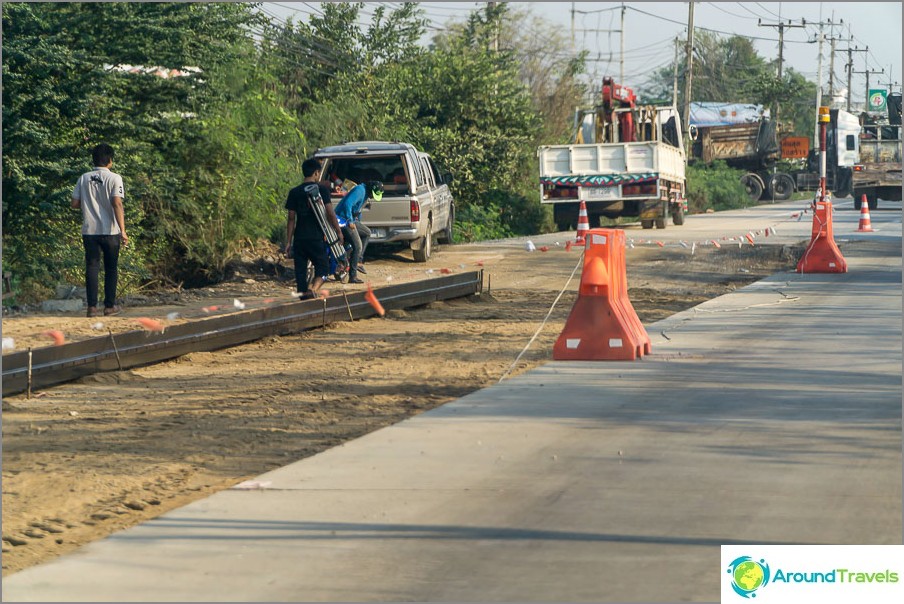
(417, 207)
(643, 178)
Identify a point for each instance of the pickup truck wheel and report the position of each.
(647, 224)
(423, 253)
(660, 222)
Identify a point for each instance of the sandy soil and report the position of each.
(86, 459)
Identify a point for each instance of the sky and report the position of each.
(650, 29)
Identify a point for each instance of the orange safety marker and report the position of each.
(583, 223)
(603, 324)
(544, 248)
(822, 254)
(372, 299)
(150, 324)
(568, 245)
(58, 338)
(865, 225)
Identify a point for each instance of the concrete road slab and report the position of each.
(771, 415)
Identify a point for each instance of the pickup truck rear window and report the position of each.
(390, 170)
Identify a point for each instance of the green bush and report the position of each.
(715, 187)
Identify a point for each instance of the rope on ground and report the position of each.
(546, 318)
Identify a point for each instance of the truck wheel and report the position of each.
(754, 186)
(646, 223)
(873, 201)
(678, 218)
(660, 222)
(781, 186)
(422, 254)
(858, 201)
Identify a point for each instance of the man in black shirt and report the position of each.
(303, 228)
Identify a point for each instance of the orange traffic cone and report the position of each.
(864, 226)
(583, 223)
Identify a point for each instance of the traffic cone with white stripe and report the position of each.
(583, 223)
(865, 226)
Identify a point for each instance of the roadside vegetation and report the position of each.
(212, 107)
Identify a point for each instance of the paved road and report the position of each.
(701, 228)
(771, 415)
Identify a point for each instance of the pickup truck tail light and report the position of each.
(415, 211)
(858, 168)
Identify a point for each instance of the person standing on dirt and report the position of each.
(304, 230)
(348, 211)
(99, 194)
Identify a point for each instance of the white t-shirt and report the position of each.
(96, 190)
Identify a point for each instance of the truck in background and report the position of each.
(878, 173)
(625, 161)
(744, 137)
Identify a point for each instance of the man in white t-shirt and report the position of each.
(99, 194)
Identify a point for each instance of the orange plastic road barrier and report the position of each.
(372, 299)
(603, 325)
(865, 225)
(58, 338)
(822, 254)
(583, 223)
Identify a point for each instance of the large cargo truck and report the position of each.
(625, 161)
(878, 173)
(744, 137)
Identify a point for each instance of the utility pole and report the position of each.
(573, 50)
(675, 76)
(621, 37)
(849, 67)
(690, 66)
(781, 26)
(492, 11)
(867, 73)
(816, 141)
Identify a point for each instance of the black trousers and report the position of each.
(315, 251)
(95, 246)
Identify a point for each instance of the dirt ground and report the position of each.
(86, 459)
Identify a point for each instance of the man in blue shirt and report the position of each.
(348, 212)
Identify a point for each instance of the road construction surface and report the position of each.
(770, 415)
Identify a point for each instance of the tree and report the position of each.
(63, 93)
